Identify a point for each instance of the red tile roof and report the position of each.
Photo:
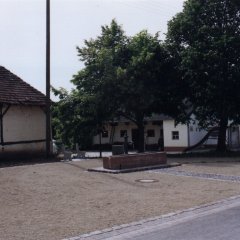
(13, 90)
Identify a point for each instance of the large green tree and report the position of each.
(81, 113)
(205, 37)
(97, 82)
(149, 82)
(123, 76)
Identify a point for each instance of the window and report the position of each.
(123, 133)
(105, 134)
(175, 135)
(150, 133)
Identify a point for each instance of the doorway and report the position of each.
(135, 138)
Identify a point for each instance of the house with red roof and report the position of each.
(22, 117)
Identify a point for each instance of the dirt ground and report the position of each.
(58, 200)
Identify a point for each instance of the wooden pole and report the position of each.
(1, 124)
(48, 102)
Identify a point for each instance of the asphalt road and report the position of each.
(223, 225)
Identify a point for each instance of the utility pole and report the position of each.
(48, 101)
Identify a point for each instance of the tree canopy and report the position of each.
(206, 38)
(94, 100)
(149, 83)
(72, 119)
(125, 76)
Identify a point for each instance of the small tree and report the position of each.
(71, 123)
(206, 37)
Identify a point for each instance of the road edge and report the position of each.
(165, 220)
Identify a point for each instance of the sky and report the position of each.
(23, 32)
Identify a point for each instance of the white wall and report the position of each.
(122, 126)
(168, 127)
(24, 123)
(152, 140)
(116, 138)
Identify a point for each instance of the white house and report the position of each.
(22, 117)
(161, 132)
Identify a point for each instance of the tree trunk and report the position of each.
(221, 145)
(100, 144)
(141, 138)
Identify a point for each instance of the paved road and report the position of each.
(214, 221)
(223, 225)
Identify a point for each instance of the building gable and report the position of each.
(13, 90)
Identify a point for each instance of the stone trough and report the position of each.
(128, 161)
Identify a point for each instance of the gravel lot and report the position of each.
(232, 168)
(57, 200)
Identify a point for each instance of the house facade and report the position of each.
(114, 133)
(162, 133)
(22, 117)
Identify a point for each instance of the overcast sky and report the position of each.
(22, 26)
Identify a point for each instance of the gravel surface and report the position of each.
(60, 200)
(199, 175)
(223, 168)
